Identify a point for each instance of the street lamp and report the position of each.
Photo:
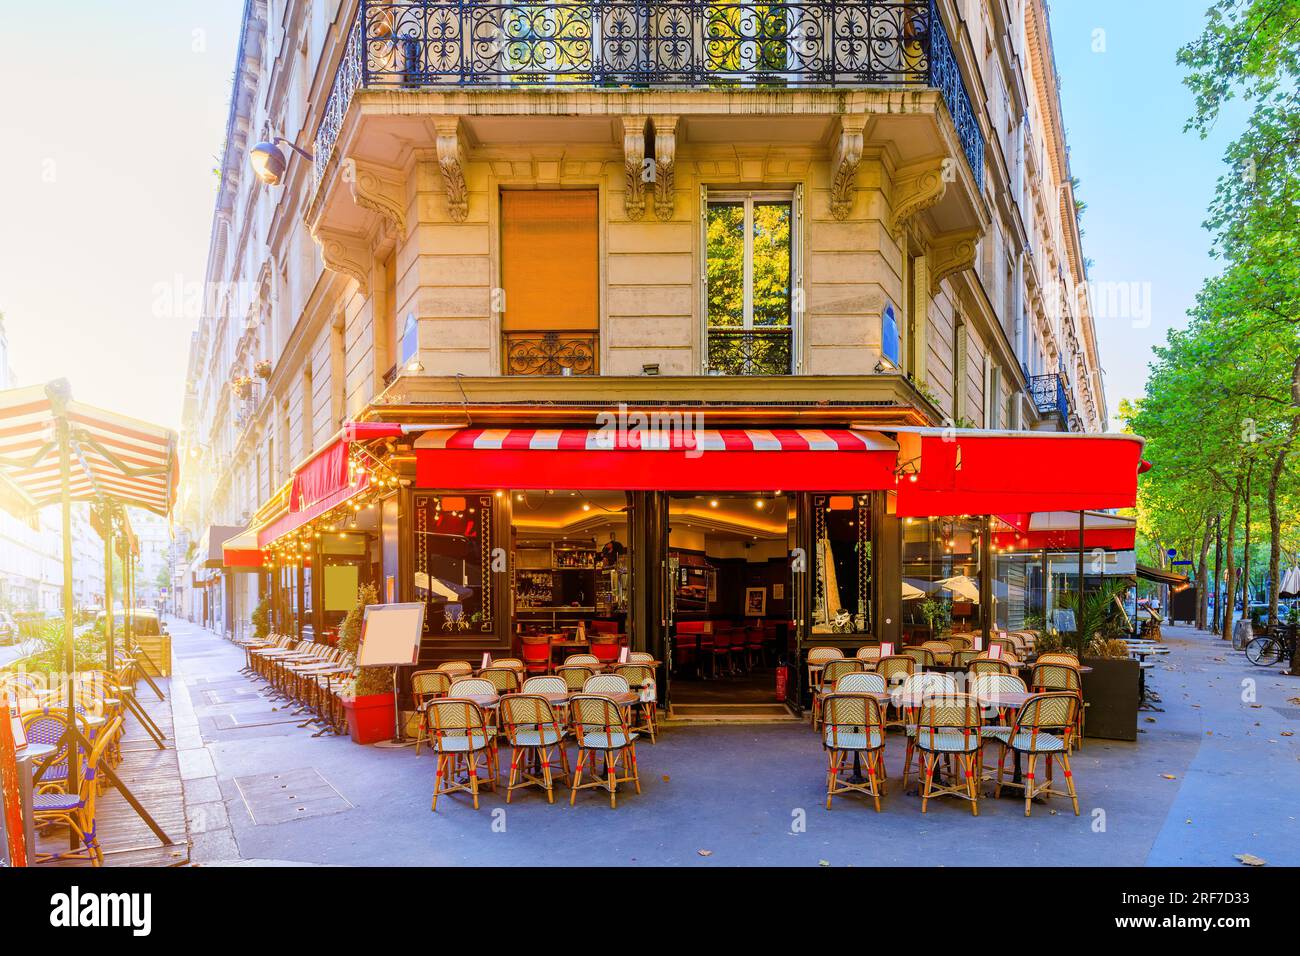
(269, 161)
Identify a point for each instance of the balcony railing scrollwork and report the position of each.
(1050, 395)
(752, 351)
(444, 44)
(551, 353)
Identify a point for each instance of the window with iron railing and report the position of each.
(749, 282)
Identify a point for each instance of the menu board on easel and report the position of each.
(390, 634)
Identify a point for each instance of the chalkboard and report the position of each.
(1063, 619)
(390, 634)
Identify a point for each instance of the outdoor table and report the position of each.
(27, 759)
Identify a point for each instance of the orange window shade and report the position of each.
(549, 266)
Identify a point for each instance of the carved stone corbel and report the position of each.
(844, 165)
(451, 160)
(665, 165)
(634, 166)
(346, 254)
(950, 253)
(385, 195)
(916, 188)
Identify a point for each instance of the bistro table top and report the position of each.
(1005, 699)
(34, 752)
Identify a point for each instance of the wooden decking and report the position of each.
(153, 776)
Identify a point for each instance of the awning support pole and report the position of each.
(1080, 636)
(72, 737)
(108, 590)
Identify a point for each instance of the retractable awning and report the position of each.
(1161, 576)
(1059, 531)
(671, 459)
(959, 471)
(241, 550)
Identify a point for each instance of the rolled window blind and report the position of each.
(549, 266)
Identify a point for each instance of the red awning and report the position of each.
(952, 472)
(241, 550)
(1059, 531)
(649, 458)
(113, 457)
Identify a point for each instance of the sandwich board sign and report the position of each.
(390, 635)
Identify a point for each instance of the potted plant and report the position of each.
(242, 386)
(368, 698)
(938, 616)
(262, 369)
(1111, 689)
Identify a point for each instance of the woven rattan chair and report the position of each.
(462, 739)
(997, 719)
(575, 676)
(1042, 728)
(77, 811)
(963, 657)
(477, 687)
(854, 725)
(427, 686)
(50, 727)
(817, 658)
(504, 679)
(870, 654)
(923, 656)
(536, 743)
(456, 667)
(988, 665)
(606, 684)
(1058, 657)
(641, 680)
(1047, 677)
(640, 657)
(958, 642)
(548, 684)
(908, 699)
(514, 663)
(860, 682)
(942, 651)
(582, 660)
(602, 737)
(948, 729)
(833, 671)
(895, 668)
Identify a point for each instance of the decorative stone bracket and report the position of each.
(380, 193)
(634, 166)
(844, 165)
(345, 253)
(665, 128)
(916, 188)
(451, 160)
(950, 253)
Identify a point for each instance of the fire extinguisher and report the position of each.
(782, 679)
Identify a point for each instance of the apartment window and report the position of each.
(959, 347)
(550, 249)
(749, 282)
(992, 394)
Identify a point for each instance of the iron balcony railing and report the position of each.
(551, 353)
(752, 351)
(1050, 395)
(441, 44)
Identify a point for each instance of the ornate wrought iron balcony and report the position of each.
(447, 44)
(551, 353)
(750, 351)
(1049, 395)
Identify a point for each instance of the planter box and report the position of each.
(1111, 691)
(370, 718)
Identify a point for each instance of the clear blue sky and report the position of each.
(1146, 182)
(110, 134)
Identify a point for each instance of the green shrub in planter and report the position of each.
(370, 680)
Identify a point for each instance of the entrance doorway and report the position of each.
(731, 599)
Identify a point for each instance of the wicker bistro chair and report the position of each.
(547, 684)
(869, 654)
(997, 720)
(461, 737)
(854, 725)
(477, 687)
(834, 670)
(606, 684)
(640, 657)
(987, 665)
(504, 679)
(942, 651)
(575, 676)
(599, 729)
(1058, 657)
(923, 656)
(860, 682)
(1007, 644)
(908, 699)
(641, 679)
(514, 663)
(948, 728)
(427, 686)
(456, 667)
(536, 738)
(817, 658)
(962, 658)
(1047, 677)
(583, 660)
(1042, 728)
(895, 668)
(51, 727)
(958, 642)
(77, 811)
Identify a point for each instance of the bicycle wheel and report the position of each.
(1263, 651)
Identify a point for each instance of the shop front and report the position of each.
(726, 554)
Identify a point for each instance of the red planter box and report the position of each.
(370, 718)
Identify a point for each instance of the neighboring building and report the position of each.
(821, 216)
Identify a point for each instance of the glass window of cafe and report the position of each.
(346, 563)
(843, 562)
(941, 576)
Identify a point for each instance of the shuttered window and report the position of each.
(549, 260)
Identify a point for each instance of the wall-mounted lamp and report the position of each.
(269, 161)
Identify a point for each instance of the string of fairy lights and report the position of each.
(372, 477)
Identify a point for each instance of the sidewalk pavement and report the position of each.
(1212, 776)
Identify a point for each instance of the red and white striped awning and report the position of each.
(114, 458)
(644, 458)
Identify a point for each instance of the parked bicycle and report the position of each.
(1274, 647)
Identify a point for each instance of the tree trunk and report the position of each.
(1230, 582)
(1203, 577)
(1275, 526)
